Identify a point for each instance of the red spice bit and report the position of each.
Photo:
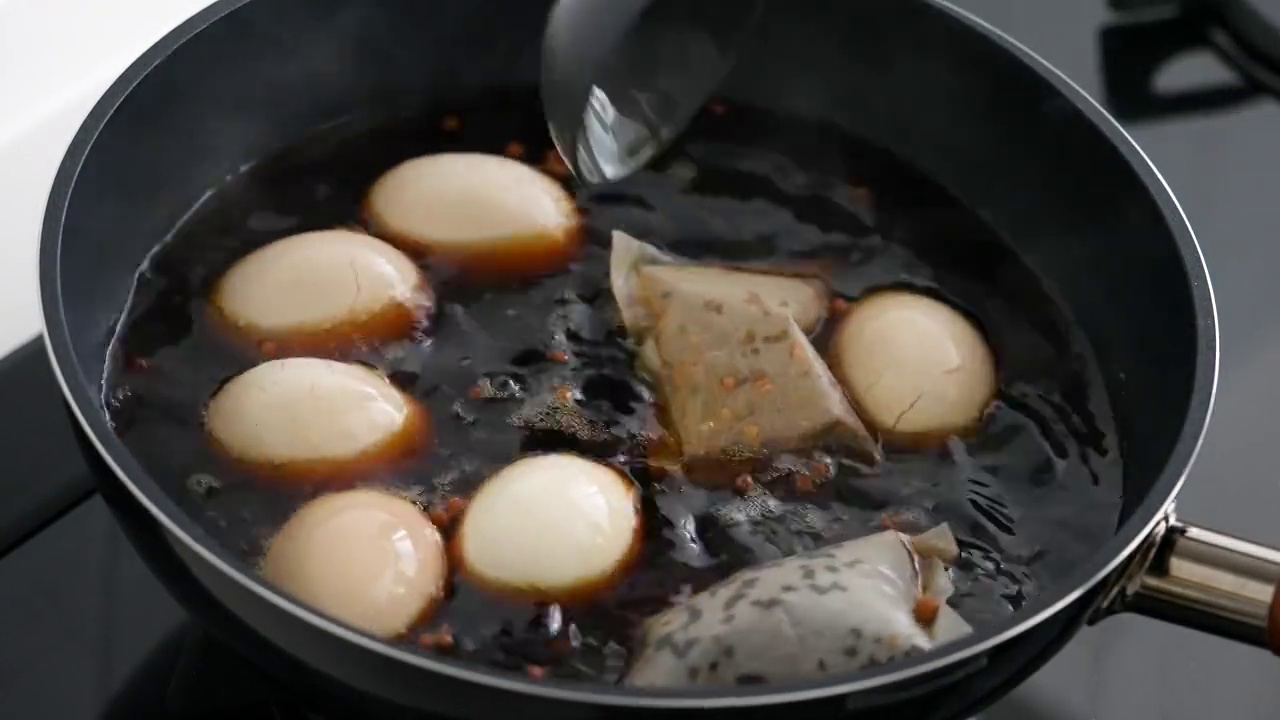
(514, 150)
(553, 165)
(450, 123)
(535, 672)
(861, 197)
(267, 347)
(446, 512)
(716, 107)
(564, 393)
(820, 471)
(561, 645)
(455, 506)
(439, 517)
(477, 391)
(440, 640)
(728, 382)
(559, 356)
(839, 305)
(804, 483)
(926, 611)
(760, 380)
(743, 484)
(894, 520)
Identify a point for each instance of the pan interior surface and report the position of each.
(990, 130)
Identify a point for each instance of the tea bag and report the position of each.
(851, 606)
(627, 255)
(739, 384)
(646, 281)
(732, 360)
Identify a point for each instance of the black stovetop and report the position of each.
(85, 632)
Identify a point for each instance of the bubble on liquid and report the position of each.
(204, 485)
(457, 473)
(464, 413)
(752, 508)
(561, 416)
(498, 386)
(809, 519)
(119, 396)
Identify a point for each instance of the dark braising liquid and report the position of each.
(1031, 497)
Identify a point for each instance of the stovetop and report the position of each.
(86, 632)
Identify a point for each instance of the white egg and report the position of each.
(551, 527)
(485, 215)
(324, 290)
(914, 368)
(313, 417)
(367, 558)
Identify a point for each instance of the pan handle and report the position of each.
(1208, 581)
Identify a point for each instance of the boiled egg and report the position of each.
(915, 368)
(365, 557)
(484, 215)
(322, 291)
(314, 418)
(554, 528)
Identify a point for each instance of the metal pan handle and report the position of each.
(1208, 581)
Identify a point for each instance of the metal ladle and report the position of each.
(621, 79)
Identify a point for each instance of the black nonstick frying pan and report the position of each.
(1003, 131)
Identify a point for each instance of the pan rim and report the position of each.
(1150, 512)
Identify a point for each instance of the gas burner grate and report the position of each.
(1148, 34)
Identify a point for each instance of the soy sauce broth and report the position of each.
(1030, 497)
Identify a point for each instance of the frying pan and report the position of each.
(1003, 131)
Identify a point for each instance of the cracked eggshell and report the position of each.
(364, 557)
(553, 528)
(314, 419)
(486, 216)
(916, 370)
(321, 292)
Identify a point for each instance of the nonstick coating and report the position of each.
(1008, 136)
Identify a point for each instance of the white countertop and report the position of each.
(56, 59)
